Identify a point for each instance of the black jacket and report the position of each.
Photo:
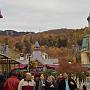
(62, 85)
(48, 85)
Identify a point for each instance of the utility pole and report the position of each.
(29, 57)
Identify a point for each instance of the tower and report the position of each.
(37, 46)
(37, 55)
(88, 19)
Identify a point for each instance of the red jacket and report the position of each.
(11, 83)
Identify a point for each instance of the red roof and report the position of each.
(20, 66)
(53, 66)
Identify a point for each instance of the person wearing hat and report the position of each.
(27, 83)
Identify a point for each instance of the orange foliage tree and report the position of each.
(65, 66)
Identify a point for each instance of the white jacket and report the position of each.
(26, 83)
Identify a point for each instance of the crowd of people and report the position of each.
(29, 82)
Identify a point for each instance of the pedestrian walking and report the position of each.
(27, 83)
(49, 83)
(37, 83)
(42, 82)
(67, 83)
(12, 82)
(58, 79)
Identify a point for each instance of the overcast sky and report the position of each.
(41, 15)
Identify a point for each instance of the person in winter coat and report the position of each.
(67, 84)
(12, 82)
(42, 82)
(37, 80)
(58, 79)
(27, 84)
(49, 84)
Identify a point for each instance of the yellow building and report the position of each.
(85, 52)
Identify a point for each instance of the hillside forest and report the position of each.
(56, 43)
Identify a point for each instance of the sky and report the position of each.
(43, 15)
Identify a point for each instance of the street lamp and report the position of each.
(88, 19)
(1, 14)
(29, 61)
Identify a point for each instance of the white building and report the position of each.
(39, 56)
(42, 57)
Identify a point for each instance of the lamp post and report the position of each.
(29, 61)
(88, 19)
(1, 14)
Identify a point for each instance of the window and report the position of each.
(89, 58)
(85, 44)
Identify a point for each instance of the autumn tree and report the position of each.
(19, 47)
(61, 42)
(27, 44)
